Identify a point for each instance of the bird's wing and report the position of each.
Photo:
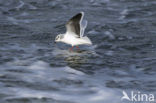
(73, 25)
(83, 27)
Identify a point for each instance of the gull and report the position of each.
(74, 35)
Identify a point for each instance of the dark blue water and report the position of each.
(35, 70)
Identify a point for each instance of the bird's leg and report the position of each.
(71, 48)
(77, 47)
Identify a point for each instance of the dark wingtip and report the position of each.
(77, 16)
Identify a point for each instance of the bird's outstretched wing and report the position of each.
(83, 27)
(76, 25)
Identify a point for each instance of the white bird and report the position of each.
(74, 35)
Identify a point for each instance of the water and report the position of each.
(35, 70)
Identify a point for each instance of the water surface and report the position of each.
(35, 70)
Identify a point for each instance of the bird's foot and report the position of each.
(71, 48)
(77, 48)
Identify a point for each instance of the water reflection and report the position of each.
(74, 58)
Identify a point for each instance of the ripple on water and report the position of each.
(34, 70)
(41, 81)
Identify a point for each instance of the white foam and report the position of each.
(13, 20)
(69, 70)
(109, 53)
(110, 35)
(93, 32)
(20, 5)
(83, 88)
(123, 14)
(38, 65)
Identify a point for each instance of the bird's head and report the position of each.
(59, 38)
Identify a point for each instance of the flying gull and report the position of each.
(74, 35)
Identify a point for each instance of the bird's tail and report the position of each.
(87, 40)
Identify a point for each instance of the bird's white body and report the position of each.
(74, 41)
(75, 32)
